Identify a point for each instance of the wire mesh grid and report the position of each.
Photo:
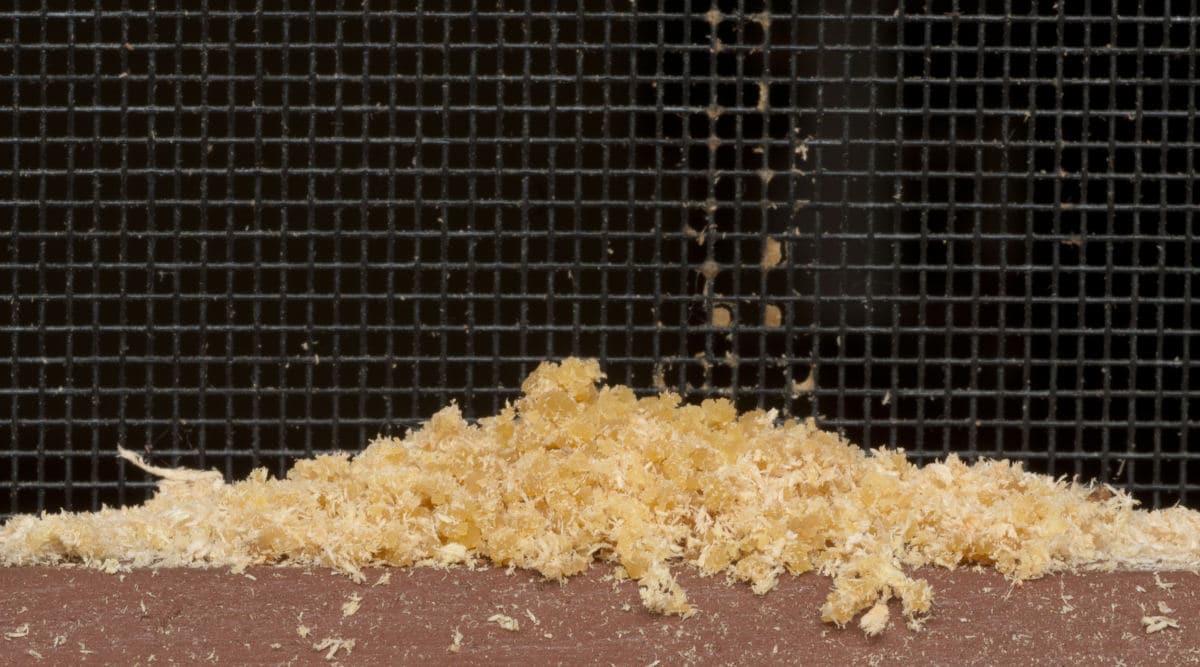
(243, 232)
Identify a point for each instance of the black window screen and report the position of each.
(235, 233)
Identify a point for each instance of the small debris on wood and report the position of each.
(303, 631)
(1165, 585)
(1158, 623)
(507, 622)
(384, 579)
(331, 646)
(18, 632)
(455, 641)
(350, 607)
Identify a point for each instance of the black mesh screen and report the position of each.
(235, 233)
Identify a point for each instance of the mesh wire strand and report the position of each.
(240, 233)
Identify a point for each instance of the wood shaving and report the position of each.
(875, 620)
(772, 253)
(455, 641)
(507, 622)
(33, 654)
(350, 607)
(384, 579)
(1165, 585)
(773, 316)
(532, 618)
(572, 473)
(721, 317)
(331, 646)
(1154, 624)
(303, 631)
(17, 632)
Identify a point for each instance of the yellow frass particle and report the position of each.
(574, 472)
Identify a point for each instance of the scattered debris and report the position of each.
(18, 632)
(802, 149)
(507, 622)
(350, 607)
(331, 646)
(532, 617)
(455, 641)
(1164, 609)
(1165, 585)
(303, 631)
(384, 580)
(33, 654)
(1158, 623)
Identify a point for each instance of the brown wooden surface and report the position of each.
(201, 617)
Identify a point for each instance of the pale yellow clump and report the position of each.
(572, 473)
(773, 317)
(721, 317)
(772, 253)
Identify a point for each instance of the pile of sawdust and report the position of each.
(571, 473)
